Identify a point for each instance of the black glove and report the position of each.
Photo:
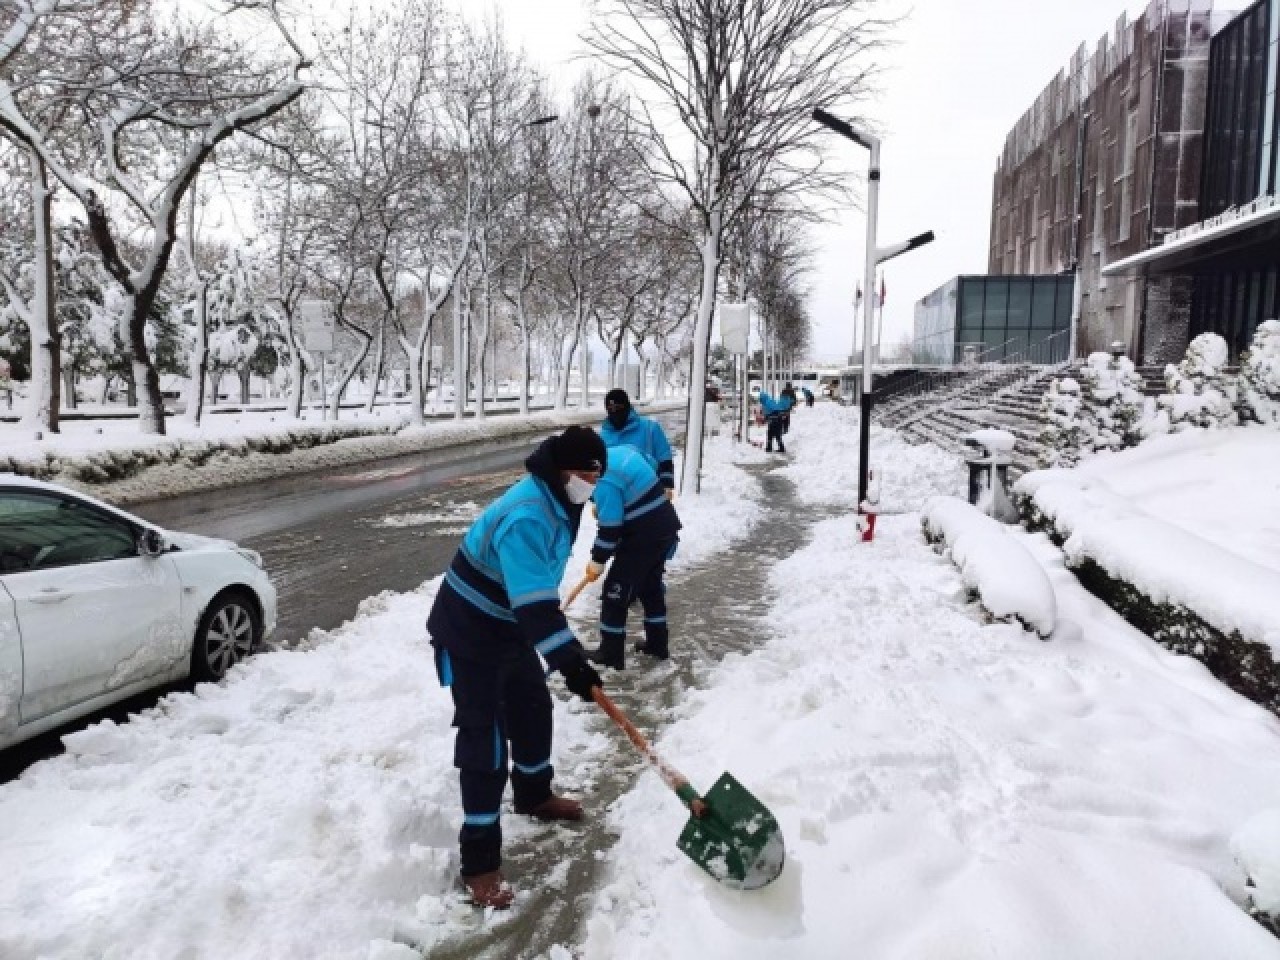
(580, 677)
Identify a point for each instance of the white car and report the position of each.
(97, 605)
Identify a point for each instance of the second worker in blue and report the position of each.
(639, 529)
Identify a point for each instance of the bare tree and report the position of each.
(741, 79)
(162, 102)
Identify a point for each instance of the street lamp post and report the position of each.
(874, 257)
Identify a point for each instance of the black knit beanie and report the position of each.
(617, 398)
(578, 448)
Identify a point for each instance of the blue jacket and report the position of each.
(631, 504)
(503, 586)
(648, 437)
(774, 407)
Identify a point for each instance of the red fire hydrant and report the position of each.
(867, 509)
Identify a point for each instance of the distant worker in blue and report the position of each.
(776, 413)
(808, 396)
(640, 530)
(496, 612)
(624, 426)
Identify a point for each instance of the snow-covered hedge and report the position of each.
(1201, 393)
(1260, 376)
(1189, 594)
(118, 462)
(995, 568)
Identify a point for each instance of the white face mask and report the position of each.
(579, 490)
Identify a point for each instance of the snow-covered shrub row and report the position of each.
(108, 464)
(1100, 411)
(1189, 594)
(1260, 376)
(995, 568)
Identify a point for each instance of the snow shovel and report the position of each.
(731, 834)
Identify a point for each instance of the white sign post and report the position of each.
(319, 330)
(735, 334)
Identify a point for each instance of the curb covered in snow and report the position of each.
(1007, 579)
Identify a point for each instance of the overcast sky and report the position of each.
(961, 75)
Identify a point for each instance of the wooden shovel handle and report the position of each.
(573, 594)
(672, 777)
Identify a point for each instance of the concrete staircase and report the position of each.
(1006, 398)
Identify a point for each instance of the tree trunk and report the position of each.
(297, 369)
(198, 360)
(335, 404)
(691, 471)
(459, 354)
(486, 319)
(46, 380)
(244, 373)
(586, 365)
(379, 359)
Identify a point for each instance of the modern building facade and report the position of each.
(1230, 255)
(1001, 319)
(1106, 164)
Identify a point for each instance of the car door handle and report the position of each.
(49, 595)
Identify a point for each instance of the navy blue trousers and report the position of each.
(502, 711)
(636, 574)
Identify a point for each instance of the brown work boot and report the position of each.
(489, 890)
(554, 808)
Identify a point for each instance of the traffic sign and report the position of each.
(319, 325)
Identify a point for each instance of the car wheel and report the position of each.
(228, 631)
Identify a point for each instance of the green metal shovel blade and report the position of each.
(738, 841)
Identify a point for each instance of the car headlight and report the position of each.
(253, 556)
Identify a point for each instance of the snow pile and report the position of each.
(998, 442)
(1256, 847)
(1260, 376)
(992, 564)
(1170, 565)
(948, 789)
(1201, 393)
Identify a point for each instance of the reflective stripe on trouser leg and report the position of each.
(480, 754)
(614, 600)
(527, 722)
(653, 598)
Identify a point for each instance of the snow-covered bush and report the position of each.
(1111, 400)
(1100, 411)
(1260, 376)
(1201, 393)
(1062, 434)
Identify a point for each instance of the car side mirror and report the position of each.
(151, 544)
